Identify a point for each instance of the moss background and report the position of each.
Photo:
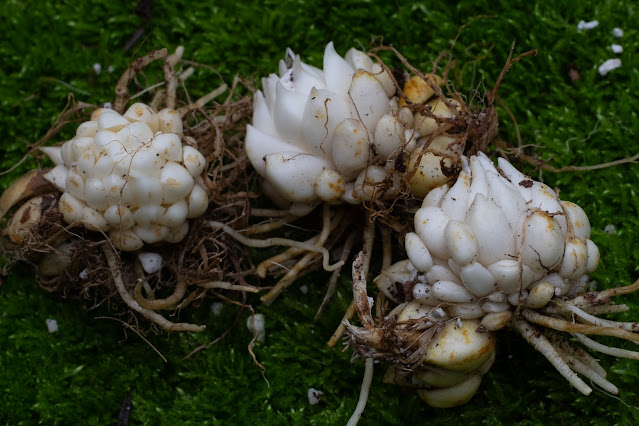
(81, 374)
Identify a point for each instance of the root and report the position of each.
(291, 275)
(122, 88)
(604, 349)
(339, 332)
(332, 282)
(203, 100)
(363, 395)
(168, 303)
(628, 326)
(579, 367)
(275, 241)
(271, 225)
(169, 76)
(541, 343)
(562, 325)
(363, 265)
(228, 286)
(116, 272)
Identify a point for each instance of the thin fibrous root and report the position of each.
(292, 274)
(603, 296)
(275, 241)
(360, 296)
(579, 353)
(112, 261)
(579, 367)
(339, 332)
(122, 88)
(604, 349)
(571, 327)
(271, 225)
(368, 239)
(168, 303)
(228, 286)
(169, 75)
(606, 309)
(628, 326)
(363, 394)
(264, 266)
(270, 213)
(203, 100)
(332, 282)
(541, 343)
(581, 362)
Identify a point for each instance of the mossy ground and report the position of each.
(81, 374)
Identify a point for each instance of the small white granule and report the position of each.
(439, 313)
(107, 105)
(459, 323)
(110, 69)
(52, 325)
(216, 308)
(97, 68)
(371, 301)
(616, 48)
(609, 65)
(151, 262)
(314, 396)
(617, 32)
(304, 289)
(84, 274)
(610, 229)
(255, 324)
(583, 25)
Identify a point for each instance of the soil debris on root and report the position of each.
(89, 269)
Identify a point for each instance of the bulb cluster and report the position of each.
(494, 240)
(327, 135)
(130, 176)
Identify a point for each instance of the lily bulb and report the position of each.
(130, 176)
(492, 241)
(327, 134)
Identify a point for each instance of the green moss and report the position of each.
(86, 369)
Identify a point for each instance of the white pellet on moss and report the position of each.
(52, 325)
(583, 25)
(616, 48)
(610, 229)
(617, 32)
(314, 396)
(609, 65)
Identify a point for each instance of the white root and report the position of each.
(604, 349)
(332, 282)
(227, 286)
(339, 332)
(628, 326)
(112, 261)
(541, 343)
(581, 355)
(169, 302)
(562, 325)
(606, 309)
(581, 368)
(291, 275)
(271, 225)
(275, 241)
(363, 395)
